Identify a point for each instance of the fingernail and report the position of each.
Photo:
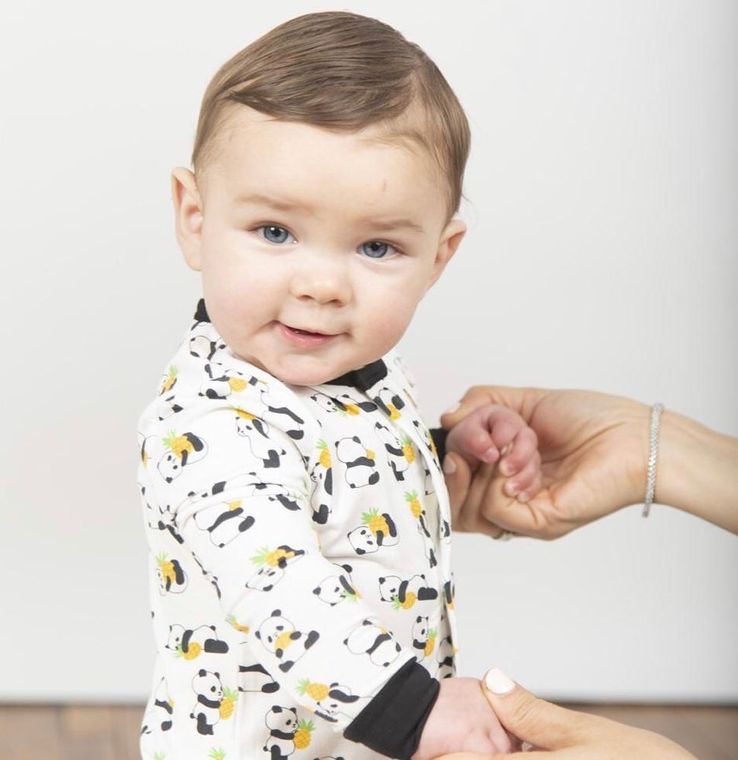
(506, 468)
(497, 682)
(453, 409)
(523, 497)
(511, 488)
(449, 466)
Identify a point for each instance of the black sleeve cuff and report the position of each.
(393, 721)
(439, 438)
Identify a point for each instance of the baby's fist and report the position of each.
(494, 433)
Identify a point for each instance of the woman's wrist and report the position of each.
(697, 470)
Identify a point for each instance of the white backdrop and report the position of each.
(602, 196)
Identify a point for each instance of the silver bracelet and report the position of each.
(653, 451)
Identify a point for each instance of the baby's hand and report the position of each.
(493, 431)
(462, 721)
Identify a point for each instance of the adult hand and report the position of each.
(594, 451)
(561, 734)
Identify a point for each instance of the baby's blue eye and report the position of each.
(274, 234)
(375, 249)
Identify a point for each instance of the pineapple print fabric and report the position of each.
(300, 554)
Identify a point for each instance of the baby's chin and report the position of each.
(305, 375)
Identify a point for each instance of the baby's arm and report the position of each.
(494, 433)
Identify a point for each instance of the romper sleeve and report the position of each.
(223, 461)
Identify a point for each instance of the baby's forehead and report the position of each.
(255, 150)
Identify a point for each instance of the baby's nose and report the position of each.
(322, 279)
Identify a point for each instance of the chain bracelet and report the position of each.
(653, 451)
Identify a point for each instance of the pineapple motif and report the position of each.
(407, 449)
(228, 703)
(236, 384)
(393, 412)
(159, 756)
(352, 409)
(217, 754)
(283, 640)
(193, 650)
(231, 620)
(375, 522)
(178, 444)
(411, 497)
(325, 454)
(303, 734)
(166, 566)
(243, 414)
(235, 504)
(410, 599)
(273, 557)
(316, 691)
(169, 381)
(430, 643)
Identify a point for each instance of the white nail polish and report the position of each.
(449, 466)
(497, 682)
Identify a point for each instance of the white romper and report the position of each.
(299, 554)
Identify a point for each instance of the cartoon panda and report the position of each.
(201, 345)
(361, 469)
(273, 564)
(335, 588)
(279, 636)
(396, 458)
(167, 407)
(372, 639)
(224, 521)
(209, 690)
(284, 417)
(445, 658)
(171, 576)
(405, 592)
(222, 382)
(160, 709)
(183, 450)
(256, 431)
(329, 708)
(282, 725)
(390, 403)
(420, 635)
(368, 538)
(265, 578)
(256, 678)
(449, 592)
(190, 642)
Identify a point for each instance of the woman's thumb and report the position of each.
(531, 719)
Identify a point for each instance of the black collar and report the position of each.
(362, 378)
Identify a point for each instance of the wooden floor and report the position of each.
(68, 732)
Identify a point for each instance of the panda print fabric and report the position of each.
(299, 554)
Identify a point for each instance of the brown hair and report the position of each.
(344, 72)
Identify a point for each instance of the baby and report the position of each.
(297, 517)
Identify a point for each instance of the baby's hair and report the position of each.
(343, 72)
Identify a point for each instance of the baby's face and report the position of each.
(314, 247)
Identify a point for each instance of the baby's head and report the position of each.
(328, 166)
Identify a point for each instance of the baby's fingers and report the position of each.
(524, 450)
(527, 482)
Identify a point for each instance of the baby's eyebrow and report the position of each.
(285, 205)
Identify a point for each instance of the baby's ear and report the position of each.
(187, 216)
(451, 236)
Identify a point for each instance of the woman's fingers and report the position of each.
(531, 719)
